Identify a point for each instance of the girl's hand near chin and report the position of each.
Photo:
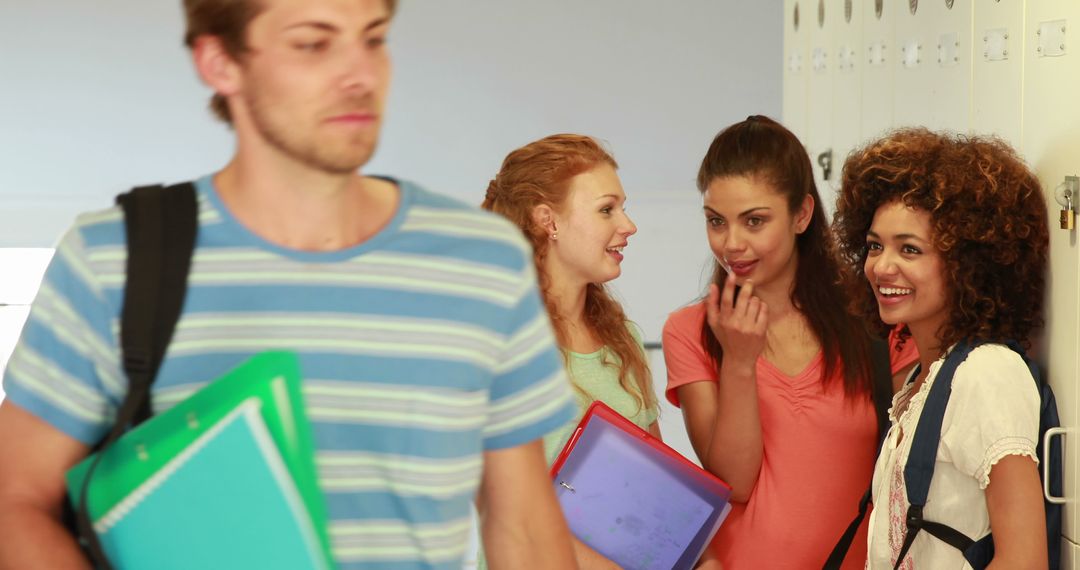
(739, 323)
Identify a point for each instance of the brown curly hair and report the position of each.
(987, 217)
(540, 173)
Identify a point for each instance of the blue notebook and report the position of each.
(226, 501)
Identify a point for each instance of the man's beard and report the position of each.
(334, 155)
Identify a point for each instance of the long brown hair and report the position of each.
(540, 173)
(763, 149)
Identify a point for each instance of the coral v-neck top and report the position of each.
(817, 463)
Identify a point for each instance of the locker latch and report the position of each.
(824, 160)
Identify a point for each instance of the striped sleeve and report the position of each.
(65, 368)
(530, 393)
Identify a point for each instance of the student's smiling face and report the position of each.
(593, 228)
(905, 269)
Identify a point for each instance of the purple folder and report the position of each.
(632, 498)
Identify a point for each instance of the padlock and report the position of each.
(1068, 215)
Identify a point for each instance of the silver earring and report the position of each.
(554, 236)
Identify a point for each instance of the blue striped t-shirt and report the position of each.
(420, 348)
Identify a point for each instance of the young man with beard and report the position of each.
(429, 367)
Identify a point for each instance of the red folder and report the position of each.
(632, 498)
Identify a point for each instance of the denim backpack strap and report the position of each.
(919, 470)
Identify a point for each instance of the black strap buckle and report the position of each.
(914, 517)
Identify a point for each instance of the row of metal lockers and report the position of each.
(856, 68)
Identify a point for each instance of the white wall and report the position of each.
(22, 269)
(96, 100)
(100, 96)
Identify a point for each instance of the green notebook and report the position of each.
(272, 377)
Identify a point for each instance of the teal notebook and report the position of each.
(268, 383)
(226, 501)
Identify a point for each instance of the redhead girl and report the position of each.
(950, 236)
(565, 195)
(771, 370)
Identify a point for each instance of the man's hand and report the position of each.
(520, 519)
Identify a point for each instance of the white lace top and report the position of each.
(993, 412)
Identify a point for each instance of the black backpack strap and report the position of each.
(839, 552)
(161, 225)
(881, 390)
(945, 533)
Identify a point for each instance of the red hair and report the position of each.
(540, 173)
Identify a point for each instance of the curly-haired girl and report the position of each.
(948, 235)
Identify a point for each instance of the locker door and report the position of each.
(949, 63)
(1052, 146)
(1070, 554)
(912, 57)
(997, 68)
(847, 86)
(818, 135)
(796, 41)
(878, 53)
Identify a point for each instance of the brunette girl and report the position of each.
(771, 370)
